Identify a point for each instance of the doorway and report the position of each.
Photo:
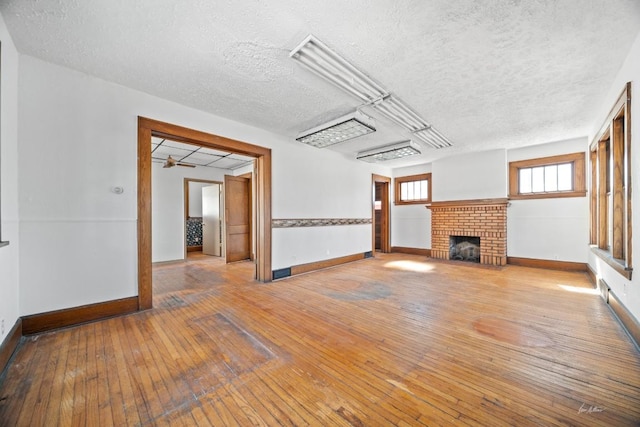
(262, 166)
(381, 241)
(204, 217)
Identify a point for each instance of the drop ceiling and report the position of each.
(187, 154)
(487, 74)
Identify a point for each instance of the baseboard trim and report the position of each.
(43, 322)
(318, 265)
(411, 251)
(593, 277)
(548, 264)
(629, 323)
(10, 345)
(194, 248)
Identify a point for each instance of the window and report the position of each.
(555, 176)
(610, 203)
(413, 189)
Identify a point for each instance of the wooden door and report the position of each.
(380, 239)
(237, 200)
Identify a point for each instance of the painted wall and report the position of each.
(78, 139)
(167, 204)
(480, 175)
(410, 224)
(9, 255)
(312, 184)
(551, 229)
(627, 291)
(195, 198)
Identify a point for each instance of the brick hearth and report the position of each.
(486, 219)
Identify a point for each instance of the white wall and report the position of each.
(195, 198)
(410, 224)
(167, 207)
(551, 229)
(9, 274)
(316, 183)
(627, 291)
(480, 175)
(78, 138)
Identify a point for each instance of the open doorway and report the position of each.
(204, 217)
(148, 128)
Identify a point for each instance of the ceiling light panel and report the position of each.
(341, 129)
(325, 63)
(389, 152)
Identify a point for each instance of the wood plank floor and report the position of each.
(394, 340)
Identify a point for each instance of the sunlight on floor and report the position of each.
(418, 267)
(579, 290)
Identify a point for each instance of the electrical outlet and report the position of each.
(2, 327)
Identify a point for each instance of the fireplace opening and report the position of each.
(464, 248)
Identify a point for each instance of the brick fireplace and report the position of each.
(485, 219)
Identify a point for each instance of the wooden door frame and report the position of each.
(186, 204)
(148, 128)
(385, 226)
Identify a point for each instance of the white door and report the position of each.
(211, 220)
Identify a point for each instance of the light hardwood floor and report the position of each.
(395, 340)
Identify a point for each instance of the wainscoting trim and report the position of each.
(548, 264)
(42, 322)
(10, 345)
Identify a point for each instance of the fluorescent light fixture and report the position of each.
(341, 129)
(396, 110)
(432, 137)
(324, 62)
(389, 152)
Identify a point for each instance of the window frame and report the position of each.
(411, 178)
(611, 180)
(578, 176)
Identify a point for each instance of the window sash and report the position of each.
(413, 189)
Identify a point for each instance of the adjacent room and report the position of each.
(334, 213)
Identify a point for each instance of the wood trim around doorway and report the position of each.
(148, 128)
(385, 234)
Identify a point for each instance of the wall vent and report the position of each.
(283, 272)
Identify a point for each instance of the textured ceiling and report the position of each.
(487, 74)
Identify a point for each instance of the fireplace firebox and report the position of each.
(464, 248)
